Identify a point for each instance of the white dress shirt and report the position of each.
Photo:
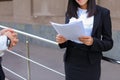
(87, 21)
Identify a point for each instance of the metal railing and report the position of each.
(30, 60)
(28, 56)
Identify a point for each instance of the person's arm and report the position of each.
(4, 44)
(10, 38)
(106, 43)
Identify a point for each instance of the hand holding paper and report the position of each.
(71, 31)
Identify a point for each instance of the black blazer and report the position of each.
(101, 33)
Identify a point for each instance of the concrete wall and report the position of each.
(114, 7)
(6, 10)
(33, 11)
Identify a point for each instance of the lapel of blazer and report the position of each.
(95, 23)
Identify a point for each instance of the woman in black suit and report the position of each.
(83, 59)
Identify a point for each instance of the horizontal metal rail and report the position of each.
(36, 63)
(14, 73)
(33, 36)
(110, 60)
(36, 37)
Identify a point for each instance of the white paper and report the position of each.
(71, 31)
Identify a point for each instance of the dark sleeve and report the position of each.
(65, 44)
(106, 43)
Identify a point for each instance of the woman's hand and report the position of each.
(60, 39)
(87, 40)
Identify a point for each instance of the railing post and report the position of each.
(28, 56)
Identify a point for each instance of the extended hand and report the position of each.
(3, 31)
(13, 38)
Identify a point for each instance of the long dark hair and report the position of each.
(73, 7)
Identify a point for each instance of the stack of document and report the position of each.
(71, 31)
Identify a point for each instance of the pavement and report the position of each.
(52, 58)
(6, 79)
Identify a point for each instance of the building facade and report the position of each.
(43, 11)
(32, 11)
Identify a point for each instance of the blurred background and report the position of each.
(42, 59)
